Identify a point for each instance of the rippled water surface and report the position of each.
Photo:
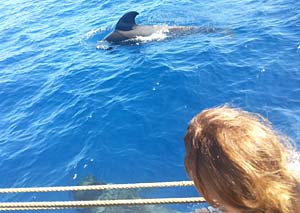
(68, 110)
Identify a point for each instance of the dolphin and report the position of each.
(127, 30)
(115, 194)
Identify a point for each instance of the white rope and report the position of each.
(98, 187)
(9, 206)
(14, 206)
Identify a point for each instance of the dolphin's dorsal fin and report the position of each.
(127, 21)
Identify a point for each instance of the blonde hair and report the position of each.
(240, 159)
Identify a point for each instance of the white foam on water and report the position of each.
(93, 32)
(75, 176)
(103, 45)
(157, 36)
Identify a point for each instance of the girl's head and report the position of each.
(238, 161)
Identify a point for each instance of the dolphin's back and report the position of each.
(138, 30)
(115, 37)
(127, 30)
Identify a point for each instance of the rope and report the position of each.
(88, 204)
(18, 206)
(27, 209)
(98, 187)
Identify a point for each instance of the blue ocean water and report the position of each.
(68, 110)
